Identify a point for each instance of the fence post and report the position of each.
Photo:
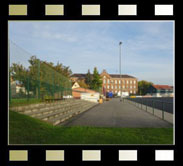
(141, 103)
(9, 88)
(153, 106)
(28, 88)
(146, 105)
(162, 111)
(53, 77)
(38, 79)
(9, 72)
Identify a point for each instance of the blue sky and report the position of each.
(147, 49)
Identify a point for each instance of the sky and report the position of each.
(147, 50)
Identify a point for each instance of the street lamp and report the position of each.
(120, 43)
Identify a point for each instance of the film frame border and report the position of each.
(141, 148)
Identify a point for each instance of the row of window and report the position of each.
(131, 92)
(118, 81)
(119, 87)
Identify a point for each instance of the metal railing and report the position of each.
(153, 104)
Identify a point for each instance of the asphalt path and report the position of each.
(114, 113)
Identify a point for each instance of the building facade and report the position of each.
(114, 82)
(160, 91)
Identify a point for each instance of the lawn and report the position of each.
(27, 130)
(24, 101)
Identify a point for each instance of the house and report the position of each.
(85, 94)
(75, 85)
(17, 89)
(160, 91)
(76, 92)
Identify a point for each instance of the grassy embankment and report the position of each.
(24, 101)
(27, 130)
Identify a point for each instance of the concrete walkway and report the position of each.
(117, 114)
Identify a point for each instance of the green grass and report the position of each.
(21, 102)
(27, 130)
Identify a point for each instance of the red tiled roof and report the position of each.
(162, 86)
(83, 90)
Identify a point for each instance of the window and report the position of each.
(131, 82)
(134, 82)
(108, 81)
(130, 87)
(123, 86)
(108, 87)
(111, 81)
(115, 87)
(127, 81)
(104, 81)
(104, 77)
(119, 81)
(116, 81)
(131, 91)
(134, 92)
(134, 86)
(119, 87)
(111, 86)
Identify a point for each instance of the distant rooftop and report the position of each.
(162, 86)
(80, 75)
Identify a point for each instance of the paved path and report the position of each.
(117, 114)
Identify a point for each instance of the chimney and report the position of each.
(104, 71)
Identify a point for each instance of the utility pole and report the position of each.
(120, 43)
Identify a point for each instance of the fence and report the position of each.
(161, 104)
(31, 79)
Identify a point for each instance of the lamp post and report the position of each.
(120, 43)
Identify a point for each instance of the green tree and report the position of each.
(143, 87)
(82, 84)
(88, 79)
(96, 83)
(65, 70)
(18, 72)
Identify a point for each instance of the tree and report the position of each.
(82, 84)
(143, 87)
(18, 72)
(63, 69)
(96, 83)
(88, 79)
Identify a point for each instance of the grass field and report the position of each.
(24, 101)
(27, 130)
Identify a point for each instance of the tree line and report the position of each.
(41, 76)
